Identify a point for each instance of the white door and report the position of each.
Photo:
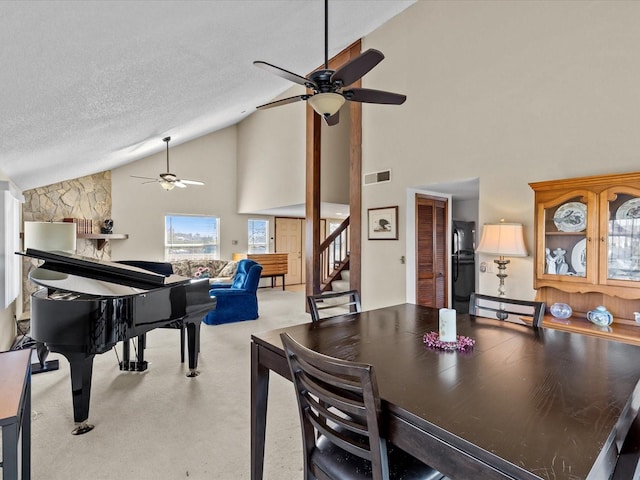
(289, 240)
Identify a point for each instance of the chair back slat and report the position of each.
(348, 390)
(332, 304)
(345, 404)
(507, 309)
(355, 424)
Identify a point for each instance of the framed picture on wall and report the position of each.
(383, 223)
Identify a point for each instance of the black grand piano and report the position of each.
(88, 306)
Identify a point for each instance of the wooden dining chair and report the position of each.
(507, 309)
(628, 463)
(332, 304)
(340, 414)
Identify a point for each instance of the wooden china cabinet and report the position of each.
(587, 251)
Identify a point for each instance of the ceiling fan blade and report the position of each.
(367, 95)
(145, 178)
(358, 67)
(178, 183)
(333, 119)
(284, 101)
(286, 74)
(192, 182)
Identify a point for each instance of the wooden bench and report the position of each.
(273, 264)
(15, 414)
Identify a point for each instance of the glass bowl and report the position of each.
(560, 310)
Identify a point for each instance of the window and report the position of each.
(191, 236)
(10, 237)
(258, 236)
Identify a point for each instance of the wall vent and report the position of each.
(377, 177)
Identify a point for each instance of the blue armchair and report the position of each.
(237, 301)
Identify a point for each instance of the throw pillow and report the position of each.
(229, 269)
(182, 267)
(202, 272)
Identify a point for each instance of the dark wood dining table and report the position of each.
(523, 403)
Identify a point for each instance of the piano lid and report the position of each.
(102, 269)
(71, 287)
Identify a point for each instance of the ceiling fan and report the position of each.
(169, 180)
(328, 85)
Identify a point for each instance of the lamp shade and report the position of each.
(50, 236)
(326, 104)
(503, 239)
(167, 185)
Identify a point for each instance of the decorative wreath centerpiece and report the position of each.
(463, 344)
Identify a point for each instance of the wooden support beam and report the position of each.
(312, 203)
(312, 206)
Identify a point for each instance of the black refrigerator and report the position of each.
(463, 266)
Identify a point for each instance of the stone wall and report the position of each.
(85, 197)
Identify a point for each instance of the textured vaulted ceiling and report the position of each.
(87, 86)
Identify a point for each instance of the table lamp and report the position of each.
(50, 236)
(504, 240)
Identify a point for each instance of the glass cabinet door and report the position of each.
(620, 236)
(566, 240)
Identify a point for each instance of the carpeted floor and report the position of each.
(162, 425)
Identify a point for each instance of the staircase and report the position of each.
(334, 260)
(341, 284)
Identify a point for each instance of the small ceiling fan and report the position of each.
(169, 180)
(327, 85)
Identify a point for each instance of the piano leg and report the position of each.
(81, 370)
(139, 365)
(42, 352)
(124, 364)
(193, 340)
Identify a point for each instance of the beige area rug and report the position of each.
(162, 425)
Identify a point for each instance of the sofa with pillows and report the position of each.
(217, 271)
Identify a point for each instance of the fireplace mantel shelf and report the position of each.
(103, 237)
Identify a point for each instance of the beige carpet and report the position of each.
(162, 425)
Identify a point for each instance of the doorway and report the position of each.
(432, 231)
(289, 239)
(289, 236)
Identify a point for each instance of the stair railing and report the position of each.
(334, 254)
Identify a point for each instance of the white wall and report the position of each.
(255, 165)
(510, 92)
(466, 210)
(271, 157)
(138, 209)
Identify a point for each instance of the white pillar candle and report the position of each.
(447, 325)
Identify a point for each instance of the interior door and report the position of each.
(431, 251)
(289, 240)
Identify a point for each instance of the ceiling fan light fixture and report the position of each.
(326, 104)
(167, 185)
(167, 180)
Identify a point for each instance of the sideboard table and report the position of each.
(15, 413)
